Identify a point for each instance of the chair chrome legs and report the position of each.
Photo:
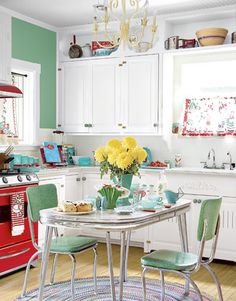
(144, 284)
(194, 285)
(72, 256)
(53, 268)
(95, 269)
(162, 286)
(27, 272)
(215, 278)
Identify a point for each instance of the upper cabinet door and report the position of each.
(5, 50)
(76, 95)
(140, 95)
(105, 103)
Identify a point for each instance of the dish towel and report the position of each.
(17, 213)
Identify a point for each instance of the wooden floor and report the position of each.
(10, 286)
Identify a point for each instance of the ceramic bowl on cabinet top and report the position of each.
(103, 51)
(211, 36)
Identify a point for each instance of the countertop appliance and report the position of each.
(15, 251)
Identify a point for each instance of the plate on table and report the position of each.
(76, 213)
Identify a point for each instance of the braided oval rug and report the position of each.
(84, 291)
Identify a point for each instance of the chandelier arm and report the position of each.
(114, 6)
(137, 10)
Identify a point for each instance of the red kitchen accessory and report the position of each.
(101, 44)
(187, 43)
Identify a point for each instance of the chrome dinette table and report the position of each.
(109, 221)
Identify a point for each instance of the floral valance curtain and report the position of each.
(214, 116)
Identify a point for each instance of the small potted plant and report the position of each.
(111, 193)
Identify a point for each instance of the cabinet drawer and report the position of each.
(15, 256)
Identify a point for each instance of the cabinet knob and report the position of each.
(123, 127)
(62, 185)
(155, 125)
(78, 179)
(119, 124)
(199, 201)
(90, 125)
(86, 125)
(83, 178)
(195, 201)
(148, 241)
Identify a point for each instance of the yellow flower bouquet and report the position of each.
(120, 157)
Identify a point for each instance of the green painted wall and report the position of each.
(38, 45)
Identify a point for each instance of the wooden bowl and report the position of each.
(211, 36)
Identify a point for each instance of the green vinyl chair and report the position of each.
(185, 264)
(45, 197)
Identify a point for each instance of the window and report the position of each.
(205, 94)
(19, 120)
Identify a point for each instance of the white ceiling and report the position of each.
(61, 13)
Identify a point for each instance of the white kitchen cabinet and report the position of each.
(139, 95)
(197, 187)
(73, 187)
(99, 96)
(5, 50)
(76, 96)
(105, 102)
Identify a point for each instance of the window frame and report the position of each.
(22, 66)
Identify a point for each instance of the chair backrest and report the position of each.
(210, 210)
(40, 197)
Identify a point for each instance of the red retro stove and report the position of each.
(15, 249)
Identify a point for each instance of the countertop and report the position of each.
(69, 170)
(203, 171)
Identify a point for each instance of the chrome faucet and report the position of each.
(230, 159)
(213, 157)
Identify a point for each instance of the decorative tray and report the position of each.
(152, 167)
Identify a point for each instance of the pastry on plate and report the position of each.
(68, 207)
(84, 207)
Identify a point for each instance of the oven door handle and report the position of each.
(12, 193)
(14, 254)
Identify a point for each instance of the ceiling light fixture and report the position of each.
(126, 12)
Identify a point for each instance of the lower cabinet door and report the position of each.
(164, 235)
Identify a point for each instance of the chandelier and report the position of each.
(133, 23)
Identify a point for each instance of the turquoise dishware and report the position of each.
(154, 198)
(148, 204)
(172, 197)
(17, 159)
(31, 160)
(24, 160)
(84, 161)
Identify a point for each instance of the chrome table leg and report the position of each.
(110, 263)
(44, 263)
(122, 264)
(184, 242)
(127, 255)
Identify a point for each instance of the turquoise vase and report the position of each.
(125, 182)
